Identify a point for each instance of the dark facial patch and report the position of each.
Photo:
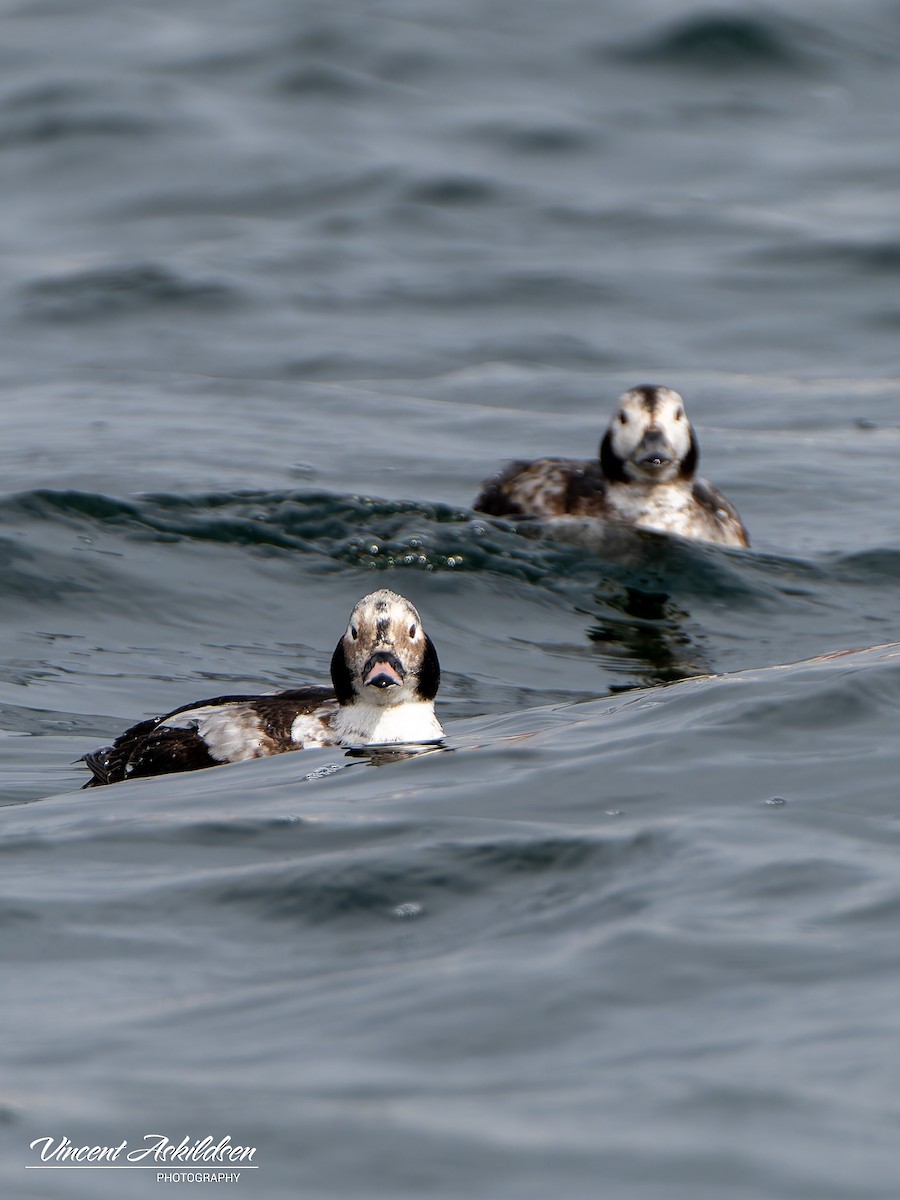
(613, 466)
(340, 675)
(382, 627)
(690, 460)
(429, 672)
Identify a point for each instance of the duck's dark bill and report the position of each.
(383, 670)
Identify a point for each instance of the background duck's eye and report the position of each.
(412, 631)
(354, 632)
(623, 418)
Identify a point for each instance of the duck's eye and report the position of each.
(623, 418)
(354, 632)
(679, 413)
(412, 631)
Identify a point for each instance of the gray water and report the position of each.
(282, 284)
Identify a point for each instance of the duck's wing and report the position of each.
(210, 732)
(723, 512)
(542, 488)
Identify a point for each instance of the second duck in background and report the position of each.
(645, 476)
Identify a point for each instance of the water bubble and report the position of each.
(409, 910)
(776, 802)
(324, 772)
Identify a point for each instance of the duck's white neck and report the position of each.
(360, 724)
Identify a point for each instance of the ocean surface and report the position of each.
(282, 283)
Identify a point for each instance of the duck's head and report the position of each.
(649, 439)
(385, 656)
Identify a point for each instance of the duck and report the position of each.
(645, 476)
(385, 675)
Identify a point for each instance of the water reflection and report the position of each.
(383, 756)
(647, 631)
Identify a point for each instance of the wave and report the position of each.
(120, 291)
(723, 42)
(406, 535)
(393, 534)
(647, 608)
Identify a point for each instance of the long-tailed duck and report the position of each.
(645, 476)
(385, 675)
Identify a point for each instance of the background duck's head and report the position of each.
(649, 439)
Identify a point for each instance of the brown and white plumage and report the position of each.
(645, 476)
(385, 675)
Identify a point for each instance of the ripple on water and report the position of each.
(120, 291)
(722, 42)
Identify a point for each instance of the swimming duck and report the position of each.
(645, 476)
(384, 673)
